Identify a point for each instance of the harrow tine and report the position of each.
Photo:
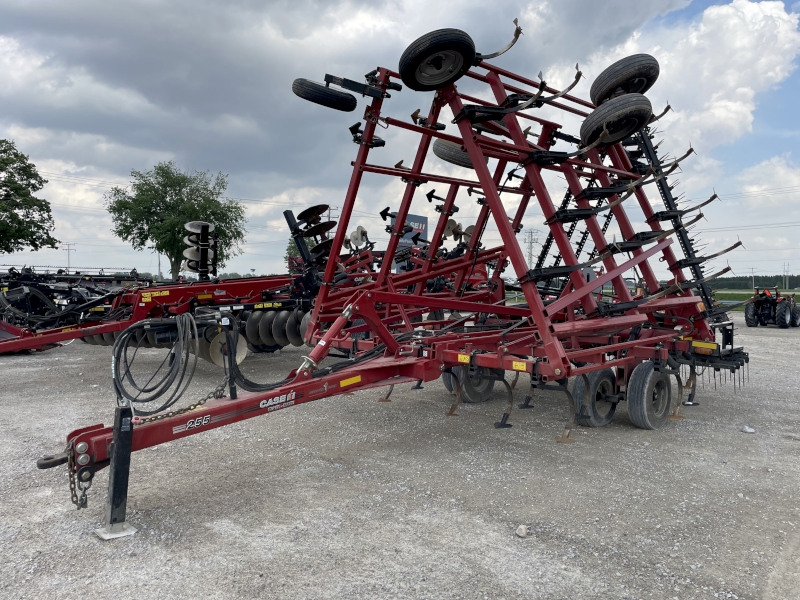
(604, 135)
(701, 205)
(668, 108)
(567, 90)
(517, 32)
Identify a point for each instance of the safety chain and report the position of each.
(74, 485)
(218, 392)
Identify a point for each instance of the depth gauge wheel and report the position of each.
(599, 411)
(436, 60)
(325, 96)
(478, 387)
(750, 315)
(622, 116)
(649, 396)
(796, 317)
(631, 75)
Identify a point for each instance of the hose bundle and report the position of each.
(173, 374)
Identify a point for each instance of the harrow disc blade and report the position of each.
(265, 329)
(312, 213)
(279, 327)
(217, 350)
(194, 254)
(196, 226)
(293, 329)
(319, 229)
(304, 328)
(251, 327)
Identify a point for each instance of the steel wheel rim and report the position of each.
(603, 388)
(623, 129)
(660, 396)
(439, 67)
(478, 382)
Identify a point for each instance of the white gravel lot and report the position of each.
(350, 498)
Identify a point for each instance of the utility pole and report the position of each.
(68, 250)
(531, 238)
(753, 276)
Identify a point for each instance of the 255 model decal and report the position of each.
(198, 422)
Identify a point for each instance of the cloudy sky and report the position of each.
(93, 89)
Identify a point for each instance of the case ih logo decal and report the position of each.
(278, 402)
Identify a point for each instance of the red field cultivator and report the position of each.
(446, 313)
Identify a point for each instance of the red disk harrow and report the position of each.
(621, 345)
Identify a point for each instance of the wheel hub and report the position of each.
(439, 67)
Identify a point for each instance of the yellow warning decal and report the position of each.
(267, 305)
(148, 296)
(204, 296)
(351, 381)
(98, 309)
(711, 345)
(519, 366)
(463, 358)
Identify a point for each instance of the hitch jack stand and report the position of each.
(120, 467)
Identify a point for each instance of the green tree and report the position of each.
(152, 212)
(293, 252)
(25, 220)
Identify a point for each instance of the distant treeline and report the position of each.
(745, 282)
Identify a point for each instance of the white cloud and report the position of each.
(712, 70)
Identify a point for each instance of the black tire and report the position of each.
(750, 315)
(649, 396)
(251, 327)
(600, 411)
(293, 329)
(89, 339)
(478, 387)
(265, 329)
(452, 153)
(436, 60)
(631, 75)
(319, 94)
(449, 380)
(108, 339)
(279, 327)
(623, 116)
(796, 317)
(783, 314)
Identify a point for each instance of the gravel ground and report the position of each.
(350, 498)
